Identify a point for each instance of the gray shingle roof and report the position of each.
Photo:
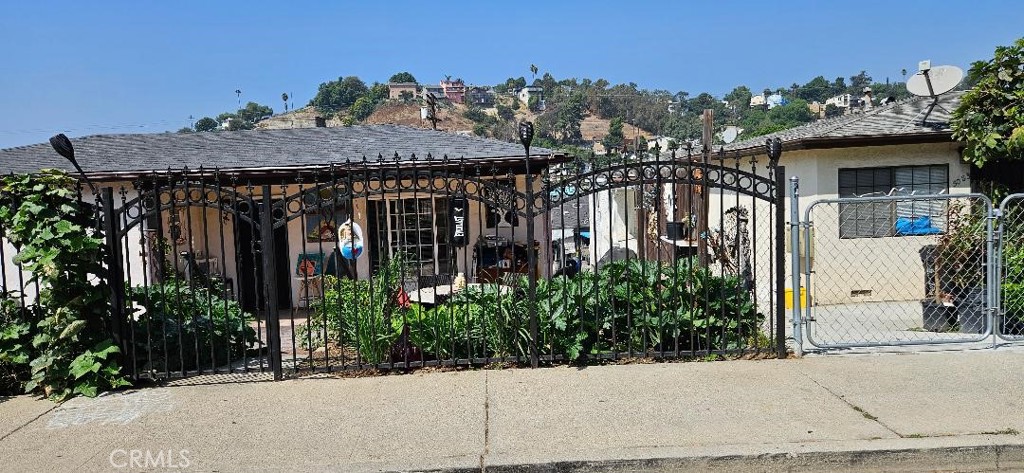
(256, 149)
(900, 118)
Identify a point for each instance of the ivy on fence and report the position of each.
(63, 335)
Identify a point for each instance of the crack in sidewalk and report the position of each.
(867, 415)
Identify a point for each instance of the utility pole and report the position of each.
(705, 200)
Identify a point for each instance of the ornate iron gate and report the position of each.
(436, 262)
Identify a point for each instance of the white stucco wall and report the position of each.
(877, 269)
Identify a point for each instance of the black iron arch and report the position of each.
(210, 196)
(555, 193)
(360, 185)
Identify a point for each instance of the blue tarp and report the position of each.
(916, 226)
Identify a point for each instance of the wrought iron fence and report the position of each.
(439, 262)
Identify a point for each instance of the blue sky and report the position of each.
(121, 67)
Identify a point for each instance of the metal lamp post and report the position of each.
(526, 138)
(62, 145)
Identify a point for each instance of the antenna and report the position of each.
(933, 82)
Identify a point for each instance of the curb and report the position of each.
(987, 458)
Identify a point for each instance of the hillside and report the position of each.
(452, 119)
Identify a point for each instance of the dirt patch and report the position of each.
(395, 113)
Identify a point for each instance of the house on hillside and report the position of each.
(482, 97)
(436, 90)
(441, 200)
(887, 151)
(842, 101)
(454, 90)
(529, 92)
(397, 89)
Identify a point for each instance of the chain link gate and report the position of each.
(897, 270)
(1010, 290)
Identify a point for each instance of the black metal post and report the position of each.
(270, 282)
(115, 270)
(526, 137)
(780, 261)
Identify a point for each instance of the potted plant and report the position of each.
(960, 265)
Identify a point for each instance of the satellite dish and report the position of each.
(934, 81)
(729, 134)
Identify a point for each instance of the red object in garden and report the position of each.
(403, 298)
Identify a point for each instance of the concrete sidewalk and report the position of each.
(893, 412)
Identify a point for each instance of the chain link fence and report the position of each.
(898, 270)
(1010, 325)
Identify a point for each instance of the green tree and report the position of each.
(614, 139)
(562, 119)
(185, 129)
(232, 122)
(838, 86)
(859, 82)
(254, 112)
(206, 124)
(533, 104)
(505, 112)
(739, 97)
(402, 77)
(793, 113)
(338, 95)
(378, 93)
(990, 117)
(817, 89)
(476, 115)
(362, 108)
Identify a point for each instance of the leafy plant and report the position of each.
(368, 315)
(960, 252)
(990, 119)
(638, 306)
(56, 242)
(15, 344)
(188, 327)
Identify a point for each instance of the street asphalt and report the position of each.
(922, 411)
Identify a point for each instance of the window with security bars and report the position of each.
(417, 228)
(879, 219)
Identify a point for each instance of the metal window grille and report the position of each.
(877, 219)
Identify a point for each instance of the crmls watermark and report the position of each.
(122, 458)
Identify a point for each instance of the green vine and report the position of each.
(71, 349)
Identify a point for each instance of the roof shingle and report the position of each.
(900, 118)
(257, 149)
